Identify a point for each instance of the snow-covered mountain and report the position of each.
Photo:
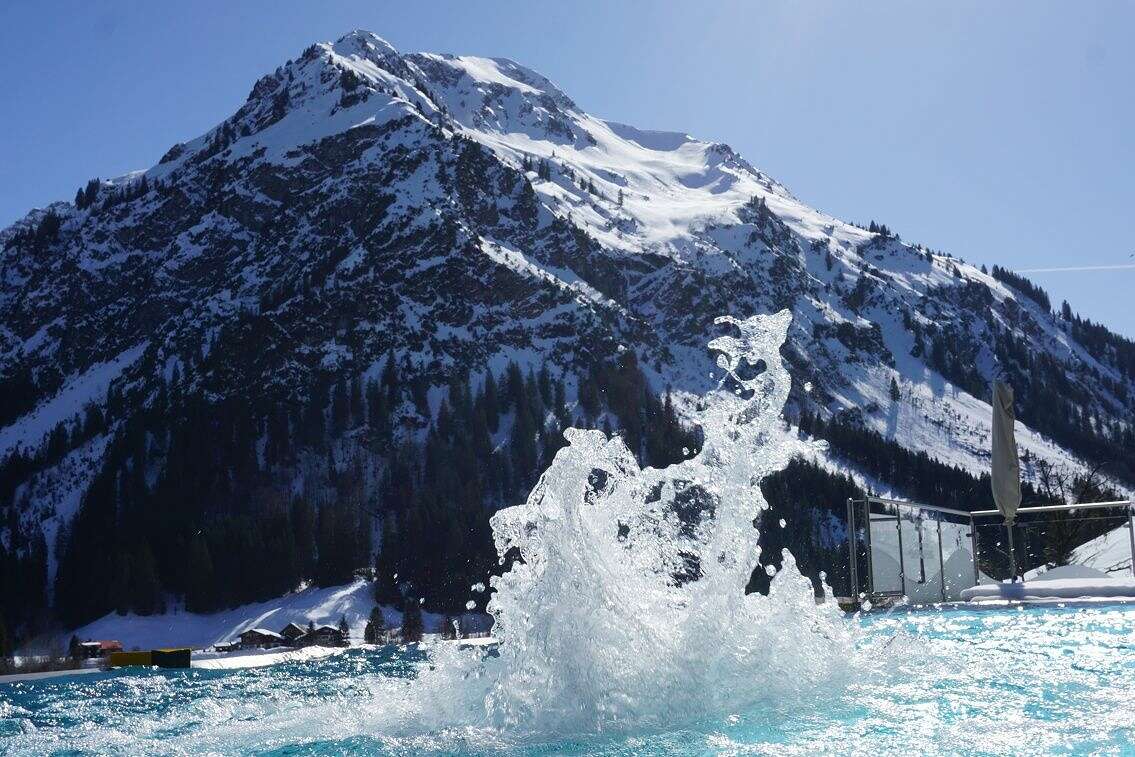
(462, 213)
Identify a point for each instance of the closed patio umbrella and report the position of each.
(1006, 471)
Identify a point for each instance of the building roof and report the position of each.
(262, 632)
(322, 631)
(293, 628)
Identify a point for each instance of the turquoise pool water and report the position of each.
(1020, 681)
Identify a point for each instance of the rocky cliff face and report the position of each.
(460, 213)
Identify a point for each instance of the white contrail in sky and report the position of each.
(1119, 267)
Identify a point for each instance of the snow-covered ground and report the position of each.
(353, 601)
(1110, 553)
(260, 657)
(79, 391)
(1065, 582)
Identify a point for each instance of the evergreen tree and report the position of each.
(527, 205)
(391, 381)
(389, 560)
(313, 421)
(302, 522)
(491, 402)
(357, 410)
(378, 412)
(145, 589)
(340, 407)
(199, 592)
(376, 626)
(523, 443)
(589, 399)
(412, 627)
(344, 628)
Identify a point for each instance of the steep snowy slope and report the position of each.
(459, 213)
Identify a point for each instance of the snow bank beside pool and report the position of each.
(1069, 582)
(260, 658)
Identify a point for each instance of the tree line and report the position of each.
(221, 503)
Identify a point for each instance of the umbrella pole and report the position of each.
(1012, 551)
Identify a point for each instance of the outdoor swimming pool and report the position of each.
(1034, 680)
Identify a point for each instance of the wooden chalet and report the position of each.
(323, 636)
(291, 632)
(260, 638)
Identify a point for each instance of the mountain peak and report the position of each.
(363, 43)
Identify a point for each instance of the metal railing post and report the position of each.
(941, 563)
(853, 553)
(870, 588)
(1131, 537)
(973, 541)
(902, 557)
(1012, 551)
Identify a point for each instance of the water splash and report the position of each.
(628, 610)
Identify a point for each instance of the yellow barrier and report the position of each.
(120, 659)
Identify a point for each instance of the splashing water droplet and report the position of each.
(783, 523)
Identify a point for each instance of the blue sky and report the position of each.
(1000, 132)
